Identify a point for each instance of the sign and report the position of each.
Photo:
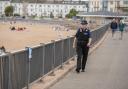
(29, 53)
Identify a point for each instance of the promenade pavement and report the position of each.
(107, 67)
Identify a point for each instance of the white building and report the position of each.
(107, 5)
(44, 9)
(18, 8)
(56, 9)
(95, 5)
(103, 5)
(62, 7)
(113, 5)
(122, 6)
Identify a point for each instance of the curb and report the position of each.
(49, 81)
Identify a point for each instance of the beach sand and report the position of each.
(34, 34)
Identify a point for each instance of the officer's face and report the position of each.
(83, 25)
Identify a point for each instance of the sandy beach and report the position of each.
(34, 34)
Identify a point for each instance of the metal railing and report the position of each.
(18, 71)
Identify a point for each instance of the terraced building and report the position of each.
(43, 8)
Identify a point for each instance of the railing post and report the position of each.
(53, 61)
(62, 49)
(68, 50)
(43, 50)
(9, 71)
(29, 50)
(69, 45)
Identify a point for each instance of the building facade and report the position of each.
(107, 5)
(95, 5)
(58, 9)
(123, 6)
(114, 5)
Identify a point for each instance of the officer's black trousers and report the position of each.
(82, 54)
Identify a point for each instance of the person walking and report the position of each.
(82, 42)
(121, 29)
(113, 26)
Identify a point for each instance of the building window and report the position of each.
(125, 2)
(111, 9)
(48, 5)
(74, 6)
(57, 5)
(111, 2)
(84, 6)
(95, 3)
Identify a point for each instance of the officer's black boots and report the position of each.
(77, 71)
(83, 71)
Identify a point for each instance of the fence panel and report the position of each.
(4, 72)
(58, 53)
(18, 69)
(36, 68)
(65, 51)
(48, 62)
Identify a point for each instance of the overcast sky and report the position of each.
(81, 0)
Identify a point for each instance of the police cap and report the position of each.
(84, 22)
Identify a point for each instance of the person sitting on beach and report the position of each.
(2, 49)
(13, 28)
(24, 28)
(20, 29)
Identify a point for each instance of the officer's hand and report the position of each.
(74, 46)
(89, 45)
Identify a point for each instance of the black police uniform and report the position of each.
(82, 49)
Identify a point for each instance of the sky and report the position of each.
(81, 0)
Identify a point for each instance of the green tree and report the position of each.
(72, 13)
(9, 11)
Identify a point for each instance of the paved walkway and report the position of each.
(107, 68)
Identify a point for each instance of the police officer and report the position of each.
(82, 43)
